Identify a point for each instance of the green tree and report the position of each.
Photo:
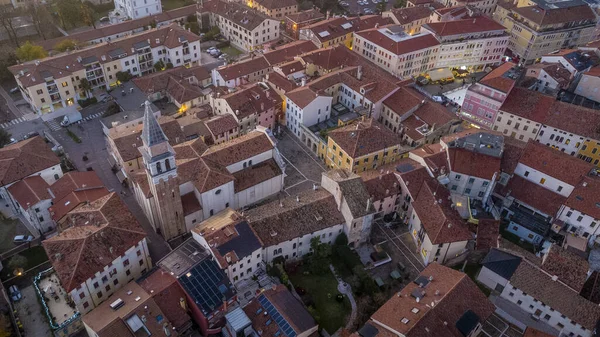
(191, 18)
(17, 261)
(399, 3)
(169, 65)
(320, 259)
(153, 23)
(86, 86)
(341, 240)
(28, 52)
(89, 14)
(40, 17)
(69, 11)
(64, 45)
(4, 137)
(381, 7)
(123, 76)
(7, 59)
(159, 66)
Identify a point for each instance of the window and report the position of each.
(217, 192)
(519, 302)
(64, 84)
(467, 190)
(85, 305)
(99, 294)
(559, 188)
(116, 281)
(107, 288)
(141, 262)
(126, 263)
(95, 285)
(128, 272)
(542, 181)
(457, 177)
(579, 218)
(104, 279)
(454, 187)
(39, 91)
(569, 213)
(526, 173)
(81, 295)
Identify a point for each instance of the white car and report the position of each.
(22, 238)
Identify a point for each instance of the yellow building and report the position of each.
(537, 28)
(276, 9)
(590, 152)
(363, 145)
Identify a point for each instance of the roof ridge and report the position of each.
(74, 269)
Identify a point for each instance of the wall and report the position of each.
(589, 87)
(300, 246)
(217, 199)
(471, 186)
(491, 279)
(590, 152)
(572, 217)
(516, 127)
(551, 183)
(566, 142)
(259, 192)
(524, 233)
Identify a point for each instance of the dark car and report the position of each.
(14, 293)
(31, 135)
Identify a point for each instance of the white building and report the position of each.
(580, 213)
(305, 107)
(473, 43)
(106, 249)
(540, 294)
(244, 27)
(136, 9)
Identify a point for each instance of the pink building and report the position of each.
(483, 99)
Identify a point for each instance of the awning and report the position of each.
(121, 176)
(438, 74)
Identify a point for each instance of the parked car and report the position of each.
(211, 49)
(31, 135)
(104, 98)
(222, 56)
(14, 293)
(22, 238)
(14, 90)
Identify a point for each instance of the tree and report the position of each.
(320, 259)
(381, 7)
(17, 261)
(341, 240)
(123, 76)
(69, 12)
(7, 59)
(86, 86)
(153, 23)
(169, 65)
(191, 18)
(40, 17)
(28, 52)
(89, 14)
(4, 138)
(64, 45)
(159, 66)
(7, 14)
(399, 3)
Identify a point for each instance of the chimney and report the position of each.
(368, 204)
(303, 82)
(359, 73)
(262, 106)
(297, 199)
(327, 15)
(315, 187)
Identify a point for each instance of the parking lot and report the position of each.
(303, 167)
(365, 7)
(29, 310)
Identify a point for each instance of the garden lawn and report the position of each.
(35, 256)
(231, 51)
(331, 314)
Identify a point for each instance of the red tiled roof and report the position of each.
(302, 96)
(488, 234)
(544, 17)
(238, 149)
(287, 52)
(528, 104)
(570, 268)
(25, 158)
(409, 14)
(554, 163)
(307, 15)
(75, 181)
(473, 164)
(442, 223)
(364, 137)
(533, 195)
(99, 232)
(331, 58)
(586, 197)
(513, 149)
(243, 68)
(495, 79)
(464, 26)
(221, 124)
(403, 100)
(252, 100)
(29, 191)
(238, 12)
(417, 42)
(574, 119)
(453, 293)
(259, 173)
(281, 82)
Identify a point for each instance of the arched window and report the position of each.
(167, 165)
(158, 167)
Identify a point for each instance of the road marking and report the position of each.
(400, 250)
(302, 148)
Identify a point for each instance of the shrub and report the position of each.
(87, 102)
(341, 240)
(223, 44)
(123, 76)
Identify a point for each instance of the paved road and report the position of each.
(401, 242)
(94, 146)
(10, 103)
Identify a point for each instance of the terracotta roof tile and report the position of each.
(533, 195)
(488, 234)
(29, 191)
(464, 26)
(539, 285)
(417, 42)
(275, 223)
(473, 164)
(442, 223)
(528, 104)
(554, 163)
(288, 52)
(495, 79)
(544, 17)
(304, 16)
(363, 138)
(574, 119)
(98, 233)
(409, 14)
(175, 82)
(403, 100)
(259, 173)
(570, 268)
(334, 26)
(220, 124)
(274, 4)
(244, 68)
(456, 294)
(252, 100)
(513, 149)
(190, 203)
(25, 158)
(239, 13)
(278, 81)
(238, 149)
(331, 58)
(586, 197)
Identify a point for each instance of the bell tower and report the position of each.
(161, 170)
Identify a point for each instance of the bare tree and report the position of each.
(39, 16)
(7, 14)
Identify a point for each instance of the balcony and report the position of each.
(52, 89)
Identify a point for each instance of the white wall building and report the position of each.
(136, 9)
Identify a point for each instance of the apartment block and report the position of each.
(135, 9)
(54, 83)
(340, 30)
(539, 27)
(244, 27)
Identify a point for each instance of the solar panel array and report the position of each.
(205, 285)
(284, 326)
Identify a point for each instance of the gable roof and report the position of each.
(25, 158)
(417, 42)
(570, 268)
(528, 104)
(532, 194)
(364, 137)
(495, 79)
(554, 163)
(237, 70)
(99, 232)
(454, 293)
(239, 13)
(501, 263)
(30, 191)
(472, 163)
(586, 197)
(288, 52)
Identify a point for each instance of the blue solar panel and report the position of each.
(205, 285)
(276, 316)
(268, 322)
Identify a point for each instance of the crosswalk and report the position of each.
(54, 124)
(13, 122)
